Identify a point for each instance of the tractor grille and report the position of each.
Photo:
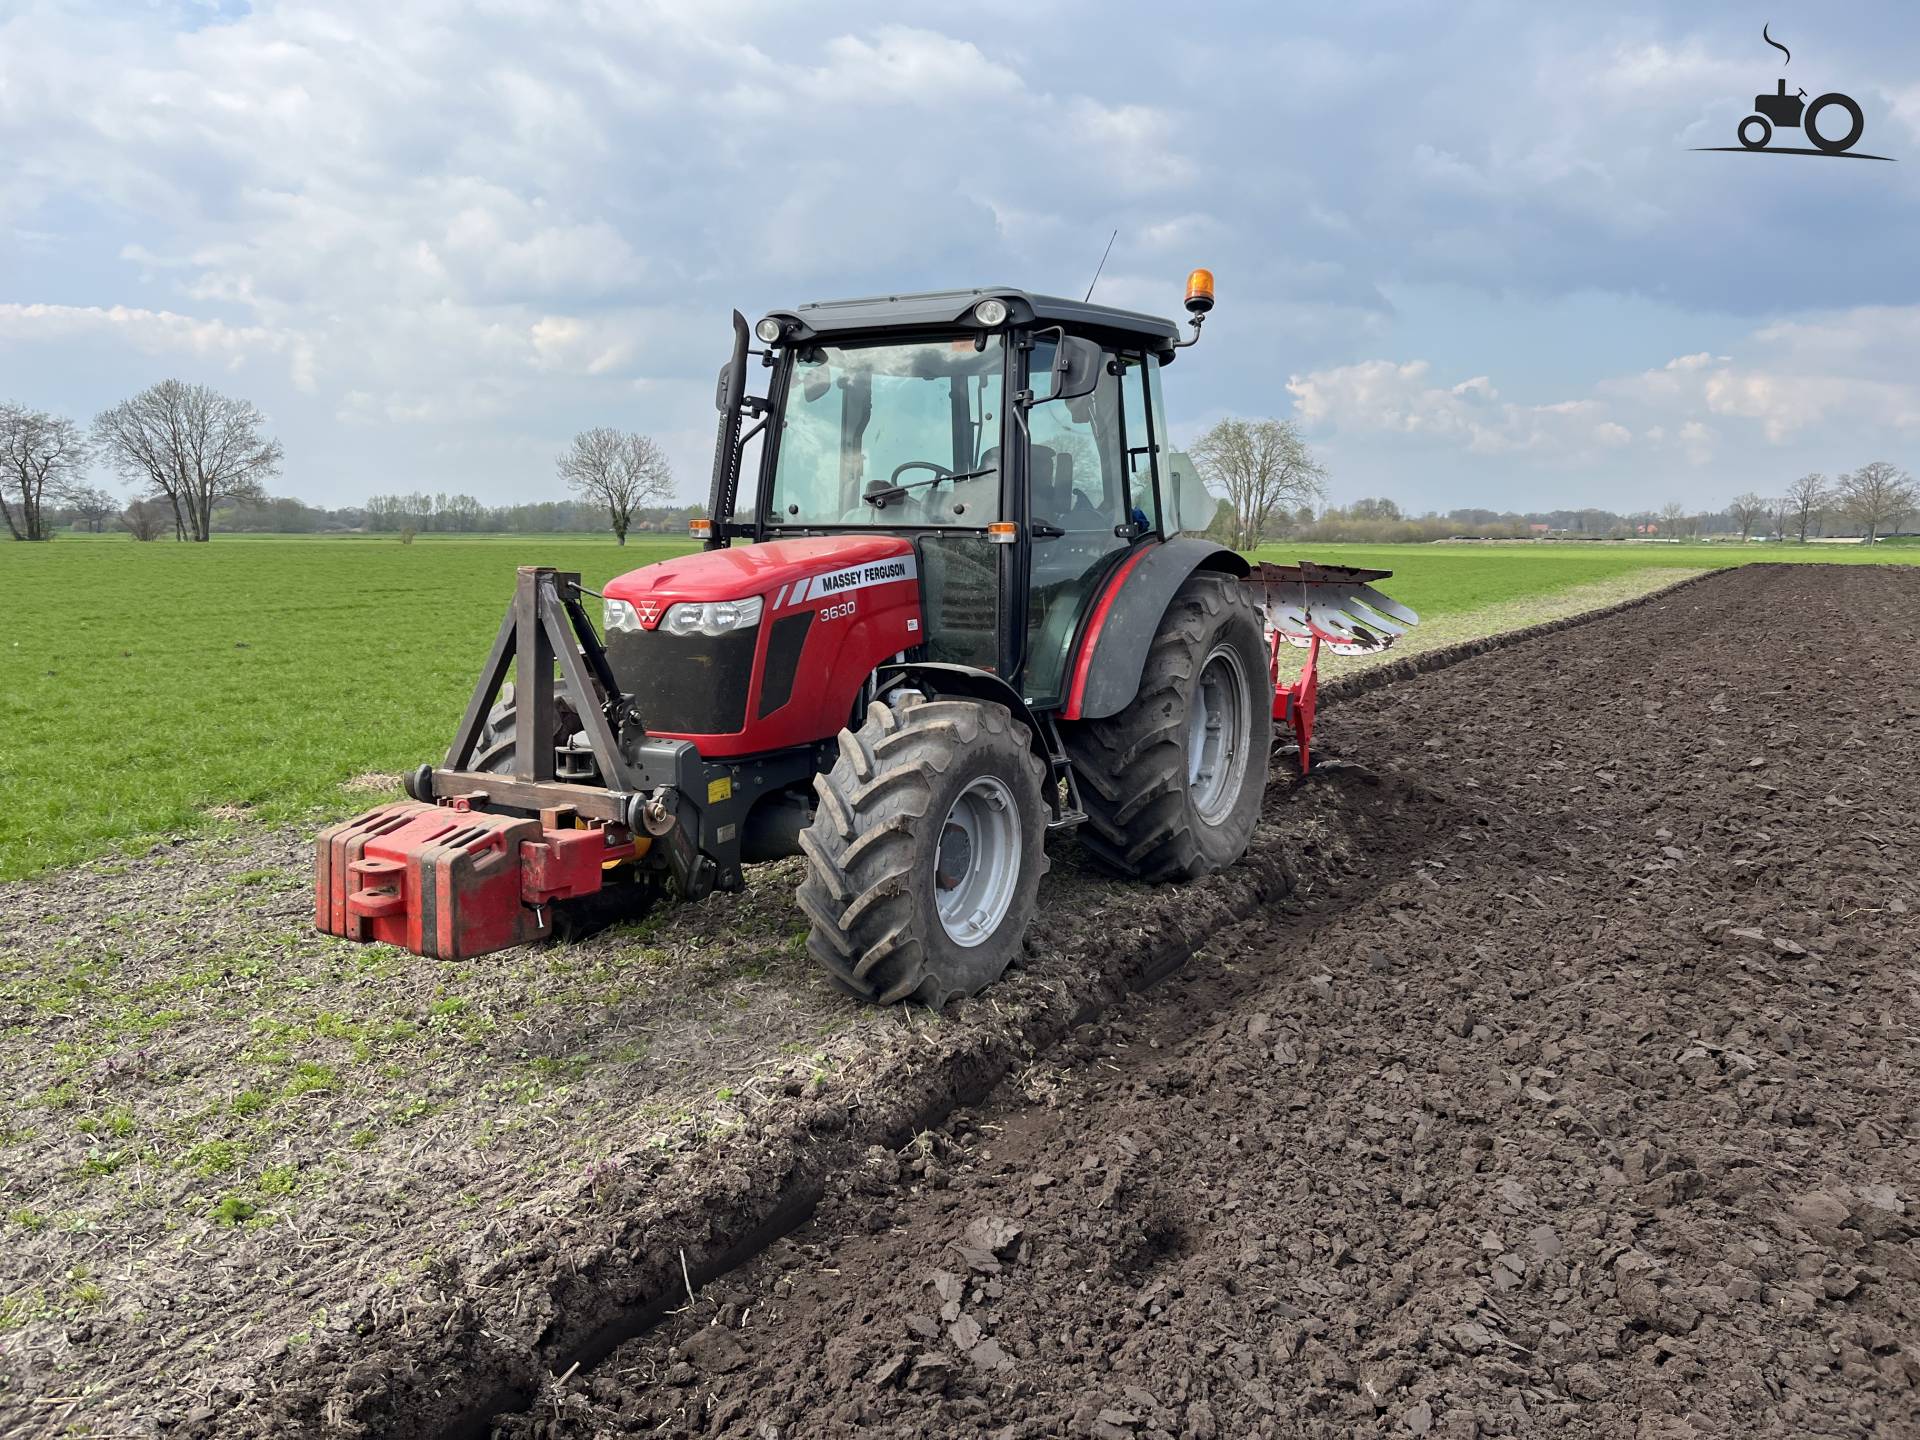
(685, 684)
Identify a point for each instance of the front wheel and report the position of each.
(1755, 131)
(926, 850)
(1172, 784)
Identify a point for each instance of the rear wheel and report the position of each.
(926, 850)
(1172, 784)
(1838, 144)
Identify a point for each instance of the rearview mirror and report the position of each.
(1077, 363)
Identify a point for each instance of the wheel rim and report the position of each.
(1218, 724)
(976, 865)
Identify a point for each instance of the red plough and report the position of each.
(1307, 606)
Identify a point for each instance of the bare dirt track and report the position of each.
(1571, 1089)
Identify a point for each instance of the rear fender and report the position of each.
(1123, 619)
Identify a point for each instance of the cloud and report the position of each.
(1826, 371)
(1381, 397)
(486, 226)
(159, 332)
(919, 68)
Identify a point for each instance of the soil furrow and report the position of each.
(1591, 1110)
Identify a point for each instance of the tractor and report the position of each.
(961, 608)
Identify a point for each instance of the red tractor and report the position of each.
(960, 611)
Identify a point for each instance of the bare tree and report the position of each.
(1673, 518)
(92, 506)
(1747, 510)
(191, 446)
(619, 470)
(143, 519)
(1779, 516)
(1265, 470)
(1877, 496)
(1806, 498)
(42, 458)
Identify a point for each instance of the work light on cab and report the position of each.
(769, 331)
(991, 313)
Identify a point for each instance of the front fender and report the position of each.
(947, 679)
(1121, 624)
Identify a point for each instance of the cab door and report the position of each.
(1080, 513)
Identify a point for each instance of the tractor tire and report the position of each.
(1172, 784)
(925, 852)
(494, 753)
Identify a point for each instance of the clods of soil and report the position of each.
(1591, 1110)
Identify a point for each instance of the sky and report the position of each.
(1469, 248)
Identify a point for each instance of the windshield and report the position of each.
(891, 435)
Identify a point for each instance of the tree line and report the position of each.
(198, 463)
(1271, 487)
(186, 449)
(1873, 500)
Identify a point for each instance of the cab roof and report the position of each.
(944, 309)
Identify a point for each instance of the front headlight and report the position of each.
(619, 615)
(712, 617)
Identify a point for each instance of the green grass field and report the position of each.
(150, 689)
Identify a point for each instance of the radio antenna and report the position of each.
(1102, 265)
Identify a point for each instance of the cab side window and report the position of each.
(1146, 436)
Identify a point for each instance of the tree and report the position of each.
(1747, 510)
(1673, 519)
(1806, 498)
(143, 519)
(1373, 508)
(619, 470)
(1877, 496)
(92, 506)
(1780, 517)
(191, 446)
(42, 457)
(1264, 468)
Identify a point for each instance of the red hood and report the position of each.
(744, 570)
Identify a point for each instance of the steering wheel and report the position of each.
(940, 472)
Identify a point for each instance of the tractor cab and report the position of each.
(1017, 442)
